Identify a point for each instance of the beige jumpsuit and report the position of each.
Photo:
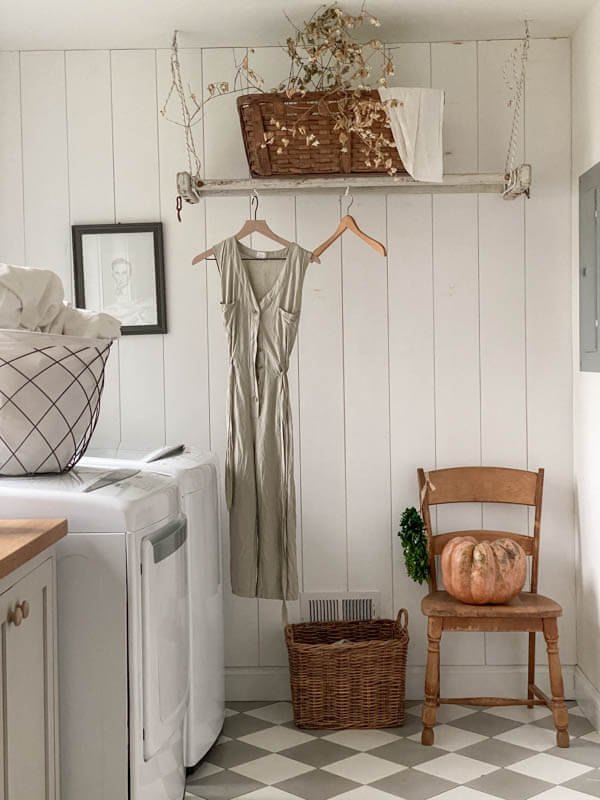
(261, 299)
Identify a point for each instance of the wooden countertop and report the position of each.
(22, 539)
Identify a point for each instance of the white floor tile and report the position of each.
(463, 793)
(593, 736)
(531, 736)
(361, 739)
(366, 793)
(206, 769)
(229, 712)
(576, 711)
(562, 793)
(457, 768)
(447, 712)
(276, 712)
(272, 769)
(364, 768)
(549, 768)
(222, 739)
(449, 738)
(520, 713)
(267, 793)
(276, 738)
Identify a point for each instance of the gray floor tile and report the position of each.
(485, 724)
(509, 785)
(317, 785)
(242, 724)
(494, 751)
(406, 752)
(223, 786)
(309, 731)
(230, 754)
(318, 753)
(578, 726)
(413, 785)
(248, 705)
(411, 725)
(588, 783)
(580, 751)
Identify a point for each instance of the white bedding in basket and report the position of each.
(33, 300)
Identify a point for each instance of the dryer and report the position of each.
(123, 603)
(196, 473)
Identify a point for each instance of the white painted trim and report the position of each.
(272, 683)
(588, 697)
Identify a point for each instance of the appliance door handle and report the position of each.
(168, 540)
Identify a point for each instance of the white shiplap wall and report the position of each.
(454, 350)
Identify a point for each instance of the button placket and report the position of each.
(255, 327)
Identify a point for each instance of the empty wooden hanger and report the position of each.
(251, 225)
(348, 223)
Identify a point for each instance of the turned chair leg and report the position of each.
(531, 670)
(432, 679)
(559, 709)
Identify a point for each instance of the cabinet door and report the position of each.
(28, 686)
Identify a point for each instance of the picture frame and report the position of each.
(119, 269)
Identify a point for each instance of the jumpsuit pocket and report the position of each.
(288, 328)
(289, 317)
(228, 309)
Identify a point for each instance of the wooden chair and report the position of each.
(528, 611)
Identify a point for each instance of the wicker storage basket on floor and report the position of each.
(299, 158)
(358, 684)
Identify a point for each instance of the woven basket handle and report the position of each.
(402, 619)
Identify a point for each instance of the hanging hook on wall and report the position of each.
(351, 196)
(254, 203)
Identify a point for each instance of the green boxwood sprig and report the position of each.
(414, 545)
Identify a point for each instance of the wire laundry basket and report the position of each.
(50, 389)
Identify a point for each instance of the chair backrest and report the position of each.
(482, 485)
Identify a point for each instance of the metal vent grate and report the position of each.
(331, 606)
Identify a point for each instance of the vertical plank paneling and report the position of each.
(367, 404)
(549, 411)
(457, 370)
(137, 198)
(11, 164)
(503, 390)
(502, 316)
(321, 352)
(223, 145)
(187, 410)
(412, 391)
(495, 114)
(454, 69)
(412, 64)
(45, 170)
(89, 130)
(224, 216)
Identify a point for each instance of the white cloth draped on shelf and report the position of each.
(416, 121)
(33, 300)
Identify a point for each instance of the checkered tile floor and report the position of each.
(479, 754)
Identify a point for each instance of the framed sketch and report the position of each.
(119, 269)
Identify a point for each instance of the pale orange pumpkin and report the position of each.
(481, 573)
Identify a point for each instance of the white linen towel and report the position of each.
(416, 121)
(33, 300)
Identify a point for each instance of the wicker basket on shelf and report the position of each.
(260, 113)
(349, 674)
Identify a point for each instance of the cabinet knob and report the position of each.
(25, 608)
(15, 617)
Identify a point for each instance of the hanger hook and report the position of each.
(254, 203)
(351, 196)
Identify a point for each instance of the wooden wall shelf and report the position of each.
(488, 182)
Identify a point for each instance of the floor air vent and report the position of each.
(331, 606)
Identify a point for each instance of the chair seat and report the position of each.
(526, 604)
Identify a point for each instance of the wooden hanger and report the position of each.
(348, 223)
(251, 225)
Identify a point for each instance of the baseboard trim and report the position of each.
(588, 697)
(273, 683)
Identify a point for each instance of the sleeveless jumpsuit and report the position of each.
(261, 300)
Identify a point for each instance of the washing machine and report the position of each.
(123, 605)
(197, 476)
